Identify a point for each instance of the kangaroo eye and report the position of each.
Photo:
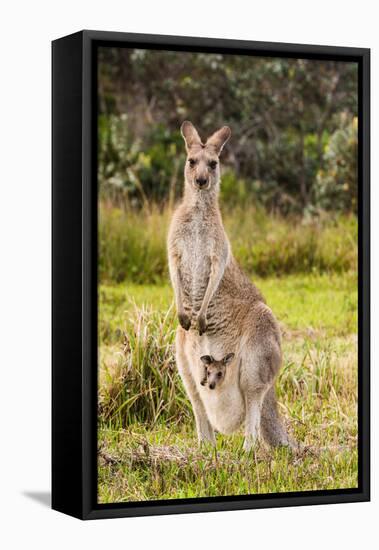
(219, 374)
(192, 162)
(213, 164)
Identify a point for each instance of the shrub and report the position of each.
(131, 171)
(336, 184)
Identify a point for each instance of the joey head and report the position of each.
(214, 371)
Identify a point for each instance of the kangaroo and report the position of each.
(219, 309)
(214, 371)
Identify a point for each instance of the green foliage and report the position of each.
(130, 172)
(234, 191)
(132, 243)
(336, 187)
(283, 114)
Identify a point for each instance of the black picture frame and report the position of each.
(74, 274)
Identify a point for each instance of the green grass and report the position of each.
(132, 244)
(165, 463)
(326, 302)
(147, 439)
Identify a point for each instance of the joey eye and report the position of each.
(219, 374)
(213, 164)
(192, 162)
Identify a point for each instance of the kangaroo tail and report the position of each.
(272, 427)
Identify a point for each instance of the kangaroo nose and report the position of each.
(212, 386)
(201, 181)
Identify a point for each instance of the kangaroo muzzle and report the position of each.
(201, 182)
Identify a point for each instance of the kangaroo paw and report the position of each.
(202, 324)
(184, 321)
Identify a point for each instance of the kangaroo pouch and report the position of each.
(225, 408)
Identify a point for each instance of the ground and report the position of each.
(147, 440)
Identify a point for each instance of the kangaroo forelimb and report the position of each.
(184, 319)
(215, 276)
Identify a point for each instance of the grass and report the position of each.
(130, 470)
(132, 244)
(147, 439)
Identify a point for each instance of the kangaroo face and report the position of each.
(214, 371)
(202, 169)
(215, 376)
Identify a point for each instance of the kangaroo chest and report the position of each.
(196, 246)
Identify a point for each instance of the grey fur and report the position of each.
(220, 310)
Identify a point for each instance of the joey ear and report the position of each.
(219, 138)
(207, 359)
(228, 358)
(190, 135)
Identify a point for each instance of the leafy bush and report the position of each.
(131, 171)
(336, 184)
(282, 112)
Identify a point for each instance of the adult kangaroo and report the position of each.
(220, 311)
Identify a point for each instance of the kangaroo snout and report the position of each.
(201, 182)
(212, 386)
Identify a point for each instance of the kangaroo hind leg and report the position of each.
(253, 402)
(258, 371)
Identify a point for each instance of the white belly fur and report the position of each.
(224, 405)
(225, 408)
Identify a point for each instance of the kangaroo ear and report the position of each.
(207, 359)
(228, 358)
(219, 138)
(190, 135)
